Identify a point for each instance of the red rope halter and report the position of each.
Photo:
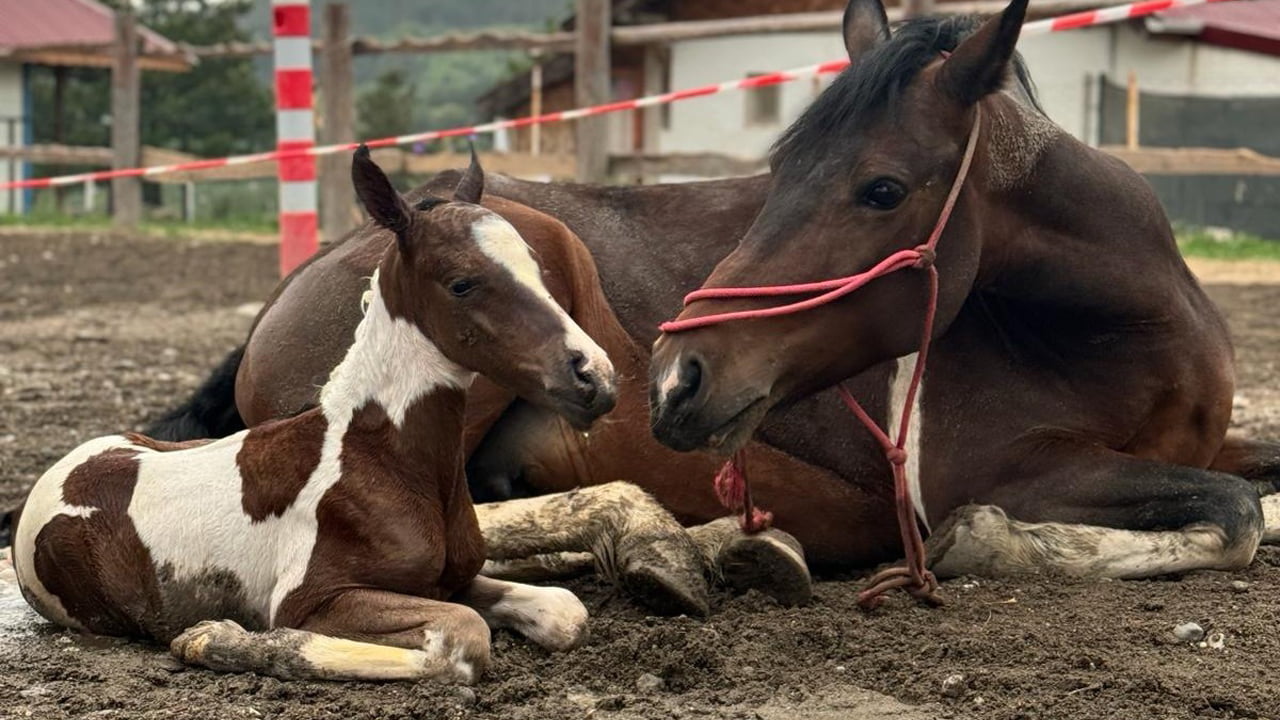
(732, 485)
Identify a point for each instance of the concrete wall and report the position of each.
(11, 106)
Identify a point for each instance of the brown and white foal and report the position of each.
(340, 543)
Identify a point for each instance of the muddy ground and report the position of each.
(100, 332)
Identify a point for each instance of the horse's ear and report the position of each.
(980, 64)
(865, 26)
(379, 197)
(471, 186)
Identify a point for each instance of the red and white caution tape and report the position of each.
(1058, 24)
(1103, 16)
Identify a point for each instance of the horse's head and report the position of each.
(467, 280)
(864, 173)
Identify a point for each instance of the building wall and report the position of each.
(718, 123)
(11, 111)
(1064, 66)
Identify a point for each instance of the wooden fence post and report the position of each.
(592, 87)
(1132, 102)
(337, 199)
(126, 192)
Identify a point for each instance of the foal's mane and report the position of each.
(874, 83)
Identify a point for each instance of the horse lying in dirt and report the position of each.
(1074, 412)
(1075, 409)
(340, 543)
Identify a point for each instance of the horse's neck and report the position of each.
(1065, 225)
(396, 388)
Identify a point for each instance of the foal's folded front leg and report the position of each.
(360, 635)
(550, 616)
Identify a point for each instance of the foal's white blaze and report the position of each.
(897, 396)
(500, 241)
(43, 504)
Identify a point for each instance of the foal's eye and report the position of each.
(883, 194)
(462, 288)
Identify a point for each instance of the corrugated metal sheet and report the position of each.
(1244, 24)
(38, 24)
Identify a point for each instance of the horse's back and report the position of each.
(120, 538)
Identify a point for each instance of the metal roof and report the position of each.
(1252, 25)
(73, 32)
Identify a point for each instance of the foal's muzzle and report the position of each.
(585, 391)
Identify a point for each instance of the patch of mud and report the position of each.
(143, 321)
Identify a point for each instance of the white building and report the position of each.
(1172, 54)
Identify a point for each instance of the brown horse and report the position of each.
(1074, 411)
(653, 244)
(343, 538)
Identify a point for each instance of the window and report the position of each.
(764, 104)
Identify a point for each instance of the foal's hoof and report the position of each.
(205, 643)
(771, 562)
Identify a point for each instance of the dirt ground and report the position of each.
(100, 332)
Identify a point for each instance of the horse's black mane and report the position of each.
(876, 81)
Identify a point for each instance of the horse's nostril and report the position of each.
(690, 380)
(579, 363)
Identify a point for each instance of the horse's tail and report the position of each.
(210, 412)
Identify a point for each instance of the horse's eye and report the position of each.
(883, 194)
(462, 288)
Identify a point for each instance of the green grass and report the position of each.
(1196, 242)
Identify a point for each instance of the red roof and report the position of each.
(1242, 24)
(36, 25)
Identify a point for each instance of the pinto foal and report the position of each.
(340, 543)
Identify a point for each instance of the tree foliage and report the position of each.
(219, 108)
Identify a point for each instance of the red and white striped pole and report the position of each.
(295, 131)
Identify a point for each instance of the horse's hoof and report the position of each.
(204, 642)
(667, 591)
(771, 562)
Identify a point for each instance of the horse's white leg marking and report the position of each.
(1271, 519)
(982, 540)
(501, 242)
(897, 396)
(292, 654)
(43, 504)
(551, 617)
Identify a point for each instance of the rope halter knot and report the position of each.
(732, 485)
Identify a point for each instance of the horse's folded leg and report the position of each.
(1098, 513)
(550, 616)
(635, 541)
(771, 562)
(290, 654)
(541, 568)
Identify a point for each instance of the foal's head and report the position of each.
(862, 174)
(466, 279)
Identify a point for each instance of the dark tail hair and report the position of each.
(210, 412)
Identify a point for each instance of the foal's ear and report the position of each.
(471, 186)
(865, 26)
(980, 64)
(379, 197)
